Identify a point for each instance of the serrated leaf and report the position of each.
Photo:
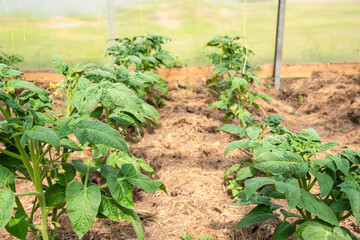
(284, 230)
(260, 213)
(18, 225)
(239, 82)
(82, 206)
(55, 195)
(7, 199)
(286, 163)
(6, 176)
(317, 207)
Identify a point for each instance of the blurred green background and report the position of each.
(315, 31)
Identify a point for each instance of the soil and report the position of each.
(187, 153)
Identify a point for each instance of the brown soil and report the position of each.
(187, 155)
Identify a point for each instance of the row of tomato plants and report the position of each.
(282, 164)
(39, 143)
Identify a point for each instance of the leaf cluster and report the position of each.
(37, 145)
(146, 54)
(233, 75)
(285, 166)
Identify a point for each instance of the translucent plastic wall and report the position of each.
(77, 30)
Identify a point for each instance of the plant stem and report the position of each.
(301, 212)
(11, 154)
(41, 197)
(27, 193)
(346, 216)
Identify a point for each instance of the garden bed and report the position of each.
(187, 153)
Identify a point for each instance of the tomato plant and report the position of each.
(233, 75)
(10, 59)
(145, 53)
(37, 145)
(285, 166)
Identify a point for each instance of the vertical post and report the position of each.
(279, 42)
(111, 18)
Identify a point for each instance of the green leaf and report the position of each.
(96, 132)
(109, 208)
(7, 199)
(246, 172)
(18, 225)
(120, 189)
(82, 206)
(130, 215)
(238, 82)
(82, 167)
(289, 214)
(254, 184)
(286, 163)
(252, 132)
(239, 145)
(59, 66)
(323, 233)
(260, 213)
(231, 128)
(138, 179)
(317, 207)
(42, 134)
(309, 135)
(354, 197)
(327, 146)
(342, 205)
(284, 230)
(24, 84)
(291, 190)
(70, 144)
(66, 177)
(326, 183)
(6, 176)
(55, 195)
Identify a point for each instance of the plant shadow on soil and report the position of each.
(187, 153)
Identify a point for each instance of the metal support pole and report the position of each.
(111, 18)
(279, 42)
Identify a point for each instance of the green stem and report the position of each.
(311, 184)
(103, 186)
(346, 216)
(304, 185)
(41, 197)
(301, 212)
(11, 154)
(27, 193)
(53, 219)
(107, 115)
